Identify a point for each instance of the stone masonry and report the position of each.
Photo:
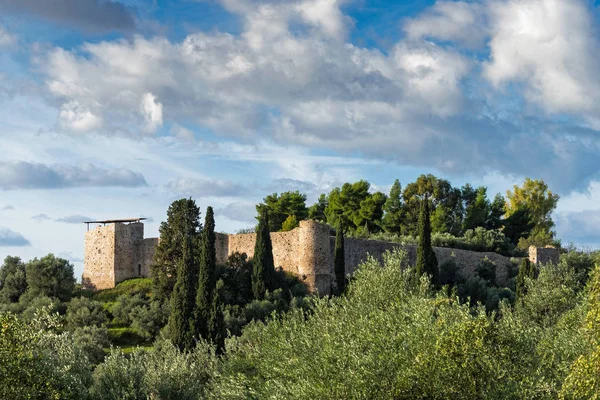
(116, 252)
(119, 251)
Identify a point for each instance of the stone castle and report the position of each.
(117, 251)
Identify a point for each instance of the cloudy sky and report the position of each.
(114, 109)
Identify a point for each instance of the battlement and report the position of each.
(118, 251)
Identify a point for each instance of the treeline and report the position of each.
(523, 216)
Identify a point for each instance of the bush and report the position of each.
(486, 270)
(449, 273)
(83, 312)
(92, 340)
(37, 363)
(122, 309)
(165, 374)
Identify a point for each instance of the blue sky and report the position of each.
(114, 109)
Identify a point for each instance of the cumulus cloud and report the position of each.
(74, 219)
(8, 207)
(91, 15)
(455, 21)
(198, 187)
(428, 100)
(550, 46)
(152, 112)
(10, 238)
(27, 175)
(41, 217)
(78, 118)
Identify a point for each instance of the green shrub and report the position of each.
(38, 363)
(165, 374)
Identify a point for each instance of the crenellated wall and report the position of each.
(119, 251)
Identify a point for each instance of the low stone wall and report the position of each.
(357, 250)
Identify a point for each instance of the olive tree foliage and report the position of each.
(446, 350)
(583, 381)
(183, 217)
(36, 362)
(449, 349)
(164, 373)
(49, 276)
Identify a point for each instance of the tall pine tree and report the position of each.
(339, 261)
(426, 258)
(263, 266)
(180, 326)
(183, 215)
(206, 278)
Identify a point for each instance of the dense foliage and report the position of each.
(183, 216)
(387, 337)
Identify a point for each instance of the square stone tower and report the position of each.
(116, 251)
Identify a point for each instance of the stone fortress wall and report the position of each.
(117, 252)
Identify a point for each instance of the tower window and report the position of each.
(139, 269)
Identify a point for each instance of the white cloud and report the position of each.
(6, 39)
(549, 46)
(152, 110)
(456, 21)
(78, 118)
(324, 14)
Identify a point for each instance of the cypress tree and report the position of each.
(426, 258)
(263, 266)
(183, 296)
(216, 325)
(339, 261)
(527, 270)
(206, 278)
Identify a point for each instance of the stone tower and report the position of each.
(116, 251)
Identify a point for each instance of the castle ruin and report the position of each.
(117, 251)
